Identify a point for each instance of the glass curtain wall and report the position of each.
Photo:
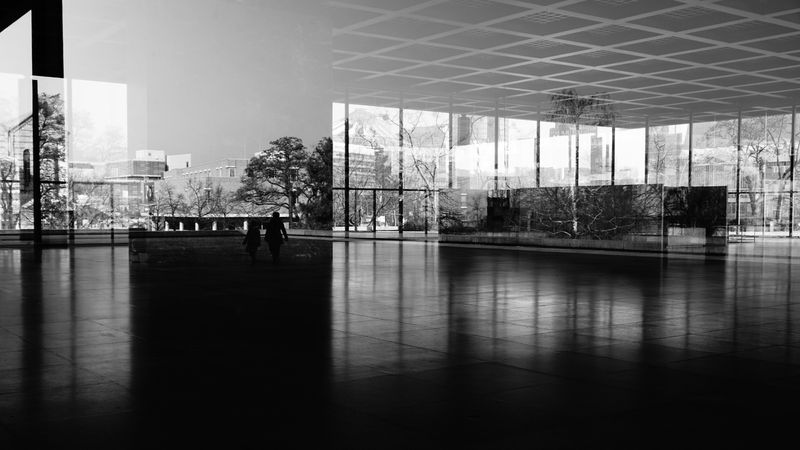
(16, 132)
(426, 148)
(494, 162)
(765, 177)
(517, 146)
(629, 155)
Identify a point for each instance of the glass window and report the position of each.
(474, 151)
(714, 151)
(517, 157)
(669, 153)
(595, 148)
(557, 154)
(629, 155)
(425, 149)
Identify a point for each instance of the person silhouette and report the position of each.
(275, 237)
(252, 240)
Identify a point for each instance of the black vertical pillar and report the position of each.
(346, 165)
(47, 41)
(37, 165)
(646, 149)
(450, 160)
(613, 154)
(374, 211)
(496, 148)
(792, 144)
(738, 168)
(400, 175)
(538, 153)
(691, 145)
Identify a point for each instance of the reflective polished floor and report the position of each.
(398, 345)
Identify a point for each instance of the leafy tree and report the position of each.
(276, 176)
(7, 172)
(319, 193)
(52, 157)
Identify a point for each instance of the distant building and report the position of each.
(182, 161)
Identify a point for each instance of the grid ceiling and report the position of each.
(655, 58)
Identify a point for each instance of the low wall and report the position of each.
(636, 243)
(218, 247)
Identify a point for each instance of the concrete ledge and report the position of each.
(218, 247)
(707, 246)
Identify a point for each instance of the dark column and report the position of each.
(48, 38)
(374, 211)
(496, 147)
(691, 138)
(613, 154)
(450, 160)
(791, 170)
(646, 149)
(346, 165)
(738, 167)
(538, 153)
(37, 165)
(400, 176)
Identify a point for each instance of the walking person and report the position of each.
(275, 237)
(252, 241)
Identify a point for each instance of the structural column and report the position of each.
(347, 164)
(400, 174)
(450, 159)
(613, 154)
(537, 153)
(37, 164)
(691, 138)
(496, 148)
(792, 168)
(738, 168)
(646, 150)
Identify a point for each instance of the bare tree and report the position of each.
(568, 107)
(198, 196)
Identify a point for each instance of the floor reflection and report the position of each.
(397, 345)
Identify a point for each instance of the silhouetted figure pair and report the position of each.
(252, 240)
(275, 237)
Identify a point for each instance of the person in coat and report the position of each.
(252, 240)
(275, 237)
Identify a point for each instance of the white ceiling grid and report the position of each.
(655, 58)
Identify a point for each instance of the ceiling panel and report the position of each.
(477, 39)
(664, 46)
(406, 28)
(609, 35)
(716, 55)
(423, 52)
(779, 45)
(543, 23)
(485, 61)
(435, 72)
(542, 49)
(469, 11)
(761, 6)
(762, 64)
(540, 85)
(687, 19)
(652, 56)
(743, 31)
(541, 69)
(598, 58)
(618, 9)
(490, 78)
(646, 66)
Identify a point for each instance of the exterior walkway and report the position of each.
(399, 345)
